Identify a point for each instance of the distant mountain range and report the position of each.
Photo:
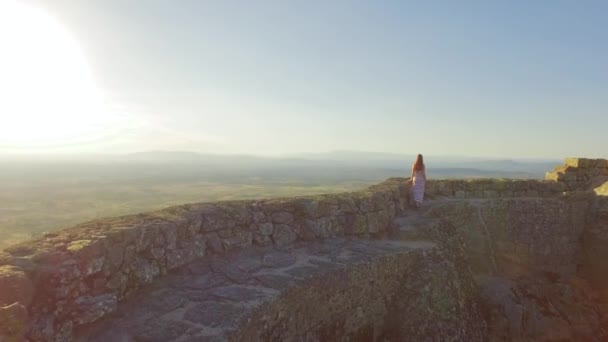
(476, 166)
(337, 162)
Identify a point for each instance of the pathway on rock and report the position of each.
(206, 300)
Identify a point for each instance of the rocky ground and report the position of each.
(208, 300)
(228, 298)
(402, 287)
(541, 304)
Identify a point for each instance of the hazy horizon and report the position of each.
(323, 155)
(271, 78)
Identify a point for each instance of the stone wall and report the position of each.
(595, 246)
(526, 254)
(78, 275)
(520, 236)
(580, 173)
(492, 188)
(415, 296)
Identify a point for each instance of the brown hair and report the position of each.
(419, 164)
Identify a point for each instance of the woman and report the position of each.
(418, 179)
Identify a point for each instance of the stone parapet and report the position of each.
(337, 289)
(492, 188)
(78, 275)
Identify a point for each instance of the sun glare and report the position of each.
(47, 92)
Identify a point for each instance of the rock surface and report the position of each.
(330, 290)
(541, 309)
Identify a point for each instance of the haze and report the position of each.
(512, 79)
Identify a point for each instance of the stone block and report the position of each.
(214, 243)
(326, 226)
(564, 168)
(490, 194)
(259, 216)
(89, 308)
(306, 207)
(579, 162)
(378, 222)
(365, 204)
(215, 219)
(283, 235)
(352, 224)
(117, 282)
(601, 163)
(15, 286)
(554, 176)
(592, 172)
(261, 239)
(282, 217)
(240, 240)
(474, 194)
(266, 228)
(144, 270)
(225, 233)
(506, 193)
(13, 322)
(90, 255)
(179, 257)
(532, 193)
(318, 227)
(169, 235)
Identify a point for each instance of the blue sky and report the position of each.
(478, 78)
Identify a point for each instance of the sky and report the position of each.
(500, 79)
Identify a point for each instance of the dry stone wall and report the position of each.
(595, 245)
(492, 188)
(520, 236)
(423, 295)
(580, 173)
(76, 276)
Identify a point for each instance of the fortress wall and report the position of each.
(520, 236)
(588, 174)
(595, 247)
(580, 173)
(414, 296)
(78, 275)
(492, 188)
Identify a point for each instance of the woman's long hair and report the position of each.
(419, 164)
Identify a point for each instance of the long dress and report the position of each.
(418, 186)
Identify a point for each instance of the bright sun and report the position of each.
(47, 93)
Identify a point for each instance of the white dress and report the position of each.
(418, 186)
